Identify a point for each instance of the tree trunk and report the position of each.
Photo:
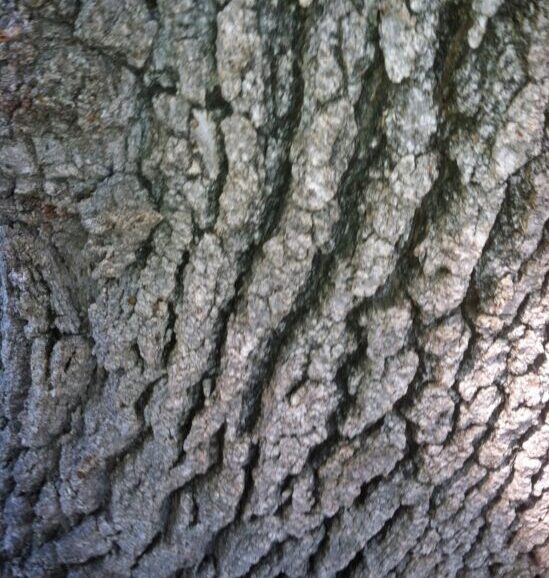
(274, 288)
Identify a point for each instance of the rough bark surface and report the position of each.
(274, 288)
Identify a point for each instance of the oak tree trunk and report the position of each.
(274, 288)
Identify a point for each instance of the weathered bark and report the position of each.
(274, 290)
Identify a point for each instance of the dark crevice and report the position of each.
(152, 7)
(216, 104)
(220, 109)
(351, 567)
(455, 20)
(268, 560)
(170, 346)
(169, 516)
(150, 547)
(316, 558)
(143, 400)
(196, 401)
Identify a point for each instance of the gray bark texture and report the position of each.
(274, 288)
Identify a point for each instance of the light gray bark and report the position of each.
(274, 288)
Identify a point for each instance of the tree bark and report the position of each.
(274, 288)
